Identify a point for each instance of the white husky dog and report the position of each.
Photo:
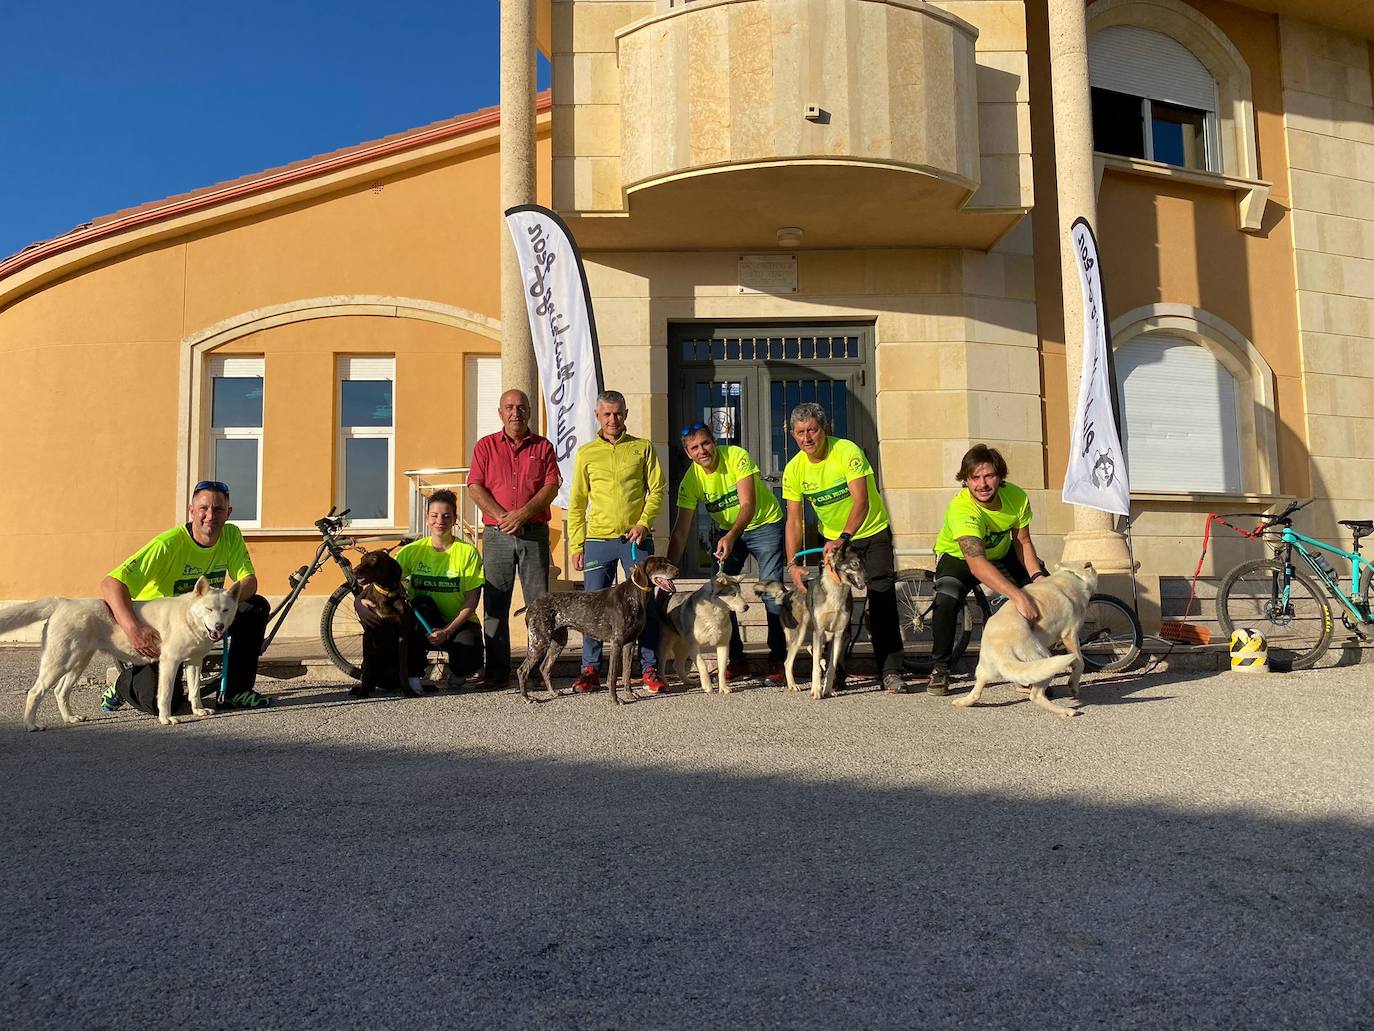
(695, 622)
(191, 626)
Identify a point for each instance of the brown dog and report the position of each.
(615, 616)
(384, 648)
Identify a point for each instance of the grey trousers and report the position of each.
(502, 556)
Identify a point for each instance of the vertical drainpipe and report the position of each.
(1094, 537)
(518, 87)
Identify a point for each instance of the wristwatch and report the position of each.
(846, 537)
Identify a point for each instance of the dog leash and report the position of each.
(223, 670)
(824, 565)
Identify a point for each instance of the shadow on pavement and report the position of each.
(179, 879)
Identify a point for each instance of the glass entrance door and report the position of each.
(743, 381)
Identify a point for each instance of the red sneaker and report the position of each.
(590, 680)
(737, 669)
(654, 683)
(776, 674)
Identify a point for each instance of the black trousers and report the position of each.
(137, 685)
(463, 650)
(884, 627)
(953, 582)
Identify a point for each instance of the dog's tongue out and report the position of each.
(664, 584)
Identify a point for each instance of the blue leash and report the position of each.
(223, 670)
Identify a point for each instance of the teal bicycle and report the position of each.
(1288, 603)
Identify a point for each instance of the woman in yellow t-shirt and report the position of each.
(445, 579)
(985, 538)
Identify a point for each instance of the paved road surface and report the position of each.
(1194, 852)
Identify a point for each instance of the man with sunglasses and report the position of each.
(207, 545)
(616, 493)
(725, 479)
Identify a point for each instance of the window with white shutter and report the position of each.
(367, 439)
(1179, 416)
(1152, 98)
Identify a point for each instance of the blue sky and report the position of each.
(107, 105)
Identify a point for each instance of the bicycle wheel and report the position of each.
(1110, 635)
(342, 634)
(915, 589)
(1297, 633)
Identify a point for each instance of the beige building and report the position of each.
(858, 201)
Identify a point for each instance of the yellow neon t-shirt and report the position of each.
(445, 576)
(172, 562)
(719, 492)
(826, 485)
(966, 518)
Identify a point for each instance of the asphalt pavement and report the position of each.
(1192, 852)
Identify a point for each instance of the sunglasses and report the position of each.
(694, 428)
(216, 485)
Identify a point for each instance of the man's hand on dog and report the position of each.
(367, 614)
(1025, 605)
(145, 639)
(799, 578)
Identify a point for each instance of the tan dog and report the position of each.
(1019, 652)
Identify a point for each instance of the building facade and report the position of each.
(853, 201)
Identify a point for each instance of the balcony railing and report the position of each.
(424, 482)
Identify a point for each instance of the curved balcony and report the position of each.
(748, 115)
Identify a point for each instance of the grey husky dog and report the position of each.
(819, 616)
(191, 626)
(694, 622)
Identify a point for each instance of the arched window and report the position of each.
(1179, 415)
(1152, 98)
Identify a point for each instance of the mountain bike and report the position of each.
(340, 632)
(1285, 603)
(1109, 638)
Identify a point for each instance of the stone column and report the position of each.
(1093, 537)
(518, 87)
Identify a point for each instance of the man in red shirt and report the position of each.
(513, 478)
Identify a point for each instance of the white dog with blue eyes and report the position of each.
(191, 626)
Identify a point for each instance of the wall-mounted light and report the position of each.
(789, 236)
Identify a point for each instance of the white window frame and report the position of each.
(369, 367)
(234, 367)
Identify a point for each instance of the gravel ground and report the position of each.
(1193, 852)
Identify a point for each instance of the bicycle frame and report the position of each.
(1290, 539)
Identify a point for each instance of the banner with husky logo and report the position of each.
(564, 331)
(1096, 476)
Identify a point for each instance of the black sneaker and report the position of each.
(110, 700)
(938, 685)
(893, 683)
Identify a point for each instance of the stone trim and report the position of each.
(196, 349)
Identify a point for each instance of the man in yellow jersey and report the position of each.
(617, 492)
(446, 578)
(726, 481)
(985, 539)
(834, 475)
(207, 545)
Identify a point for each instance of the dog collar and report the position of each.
(1073, 574)
(634, 574)
(383, 591)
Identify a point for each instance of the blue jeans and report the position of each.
(765, 544)
(601, 557)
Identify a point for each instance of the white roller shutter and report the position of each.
(1145, 63)
(367, 368)
(236, 367)
(1179, 412)
(483, 398)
